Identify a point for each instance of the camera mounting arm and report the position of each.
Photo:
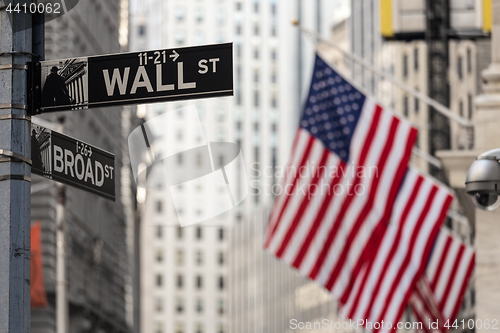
(491, 153)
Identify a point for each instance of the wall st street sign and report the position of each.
(70, 161)
(136, 78)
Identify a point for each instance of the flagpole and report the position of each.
(410, 90)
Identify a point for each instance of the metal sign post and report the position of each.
(15, 205)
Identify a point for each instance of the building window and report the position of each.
(199, 15)
(179, 37)
(256, 76)
(199, 257)
(179, 158)
(221, 234)
(179, 305)
(239, 6)
(159, 206)
(274, 78)
(256, 98)
(274, 55)
(199, 328)
(221, 329)
(273, 30)
(180, 281)
(199, 38)
(256, 29)
(159, 280)
(238, 29)
(179, 257)
(405, 65)
(472, 297)
(469, 61)
(239, 99)
(256, 53)
(256, 6)
(238, 52)
(179, 232)
(221, 308)
(415, 59)
(221, 114)
(199, 282)
(461, 108)
(470, 105)
(179, 13)
(199, 305)
(159, 305)
(459, 68)
(159, 255)
(221, 16)
(142, 30)
(159, 328)
(273, 9)
(221, 283)
(274, 101)
(222, 258)
(405, 106)
(159, 232)
(417, 105)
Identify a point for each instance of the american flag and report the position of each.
(384, 286)
(440, 291)
(348, 160)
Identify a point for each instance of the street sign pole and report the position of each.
(15, 171)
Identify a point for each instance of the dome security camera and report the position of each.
(483, 180)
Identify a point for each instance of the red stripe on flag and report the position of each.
(318, 220)
(453, 272)
(367, 207)
(411, 247)
(442, 259)
(392, 251)
(305, 157)
(298, 216)
(464, 286)
(427, 249)
(373, 244)
(347, 202)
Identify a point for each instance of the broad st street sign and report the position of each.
(61, 158)
(136, 78)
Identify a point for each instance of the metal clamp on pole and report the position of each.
(14, 66)
(14, 116)
(11, 156)
(13, 106)
(19, 53)
(15, 177)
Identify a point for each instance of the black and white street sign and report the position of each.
(64, 159)
(137, 78)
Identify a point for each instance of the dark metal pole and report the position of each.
(15, 169)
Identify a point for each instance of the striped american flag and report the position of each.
(384, 286)
(440, 292)
(348, 160)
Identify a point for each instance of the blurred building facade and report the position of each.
(98, 263)
(184, 270)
